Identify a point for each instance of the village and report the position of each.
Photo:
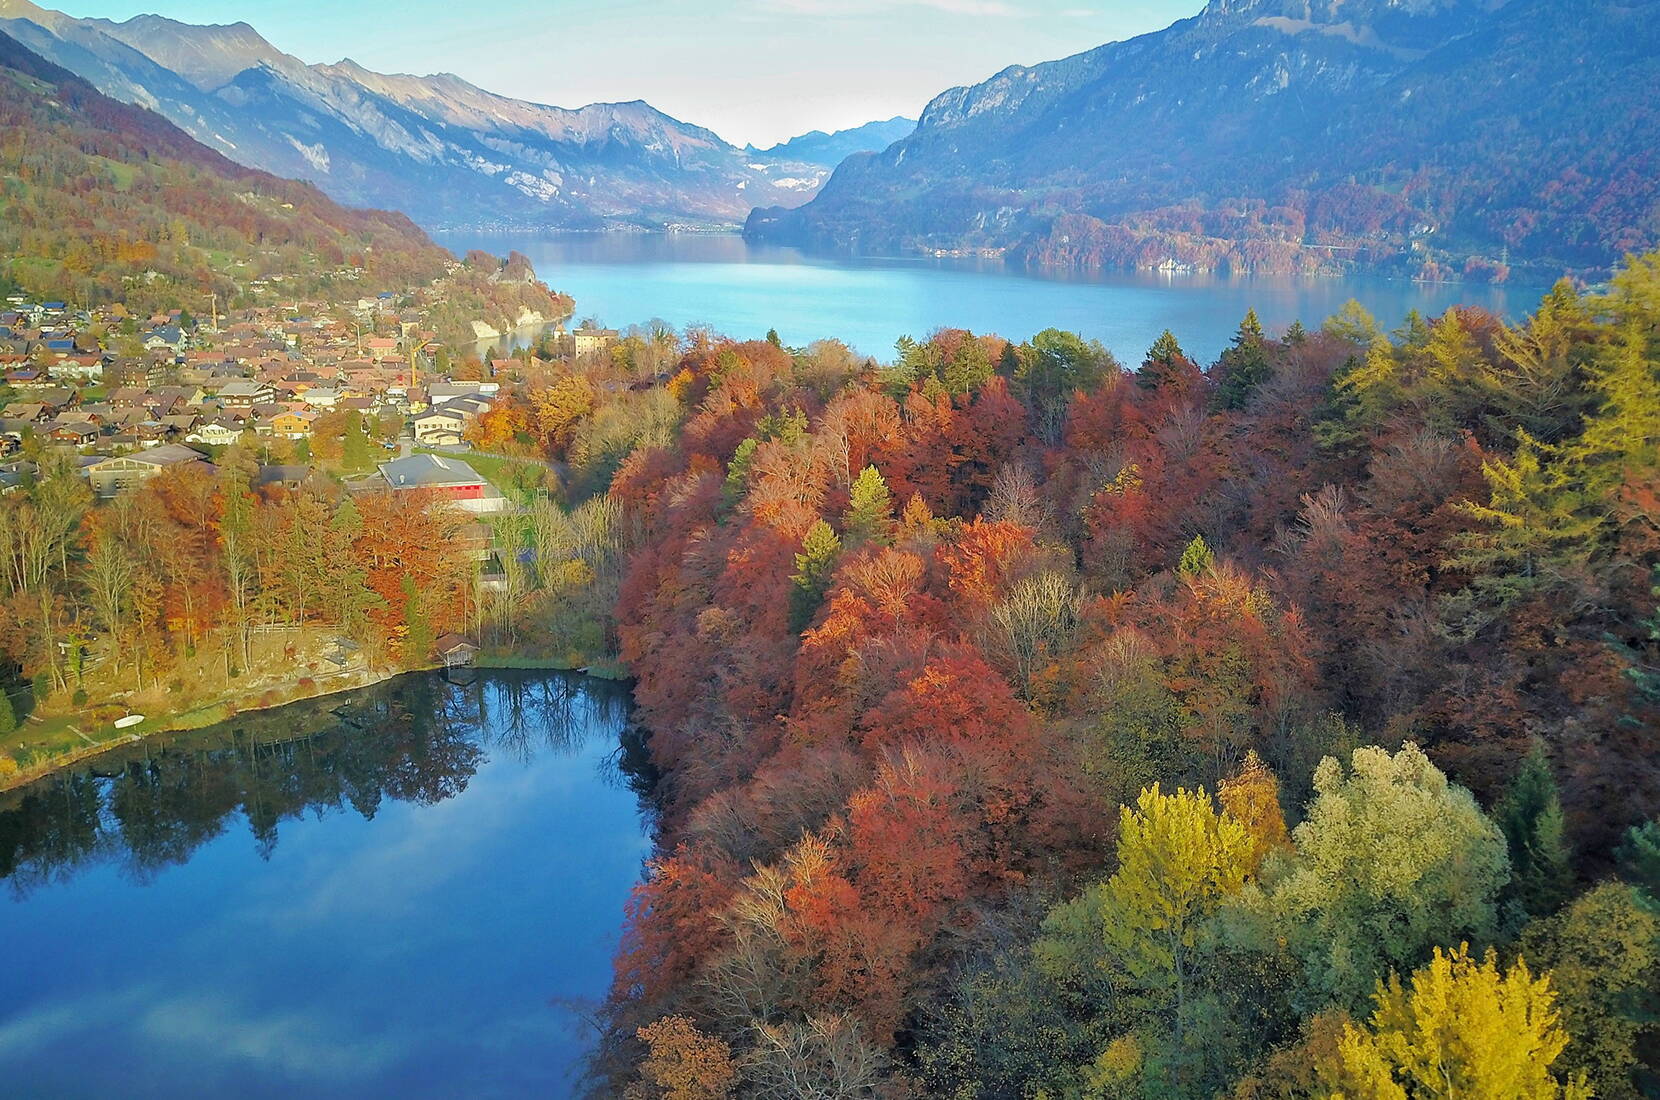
(132, 396)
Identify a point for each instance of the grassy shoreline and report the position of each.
(296, 691)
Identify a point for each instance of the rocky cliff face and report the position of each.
(1421, 135)
(446, 152)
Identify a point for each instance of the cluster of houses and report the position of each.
(107, 382)
(163, 384)
(130, 397)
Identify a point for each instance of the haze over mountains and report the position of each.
(1434, 138)
(1426, 136)
(436, 147)
(830, 150)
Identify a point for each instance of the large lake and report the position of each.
(414, 890)
(742, 290)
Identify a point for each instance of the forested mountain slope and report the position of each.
(1427, 138)
(109, 202)
(97, 191)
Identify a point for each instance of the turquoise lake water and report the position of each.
(742, 290)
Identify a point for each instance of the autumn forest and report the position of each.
(1033, 726)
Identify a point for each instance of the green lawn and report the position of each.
(124, 174)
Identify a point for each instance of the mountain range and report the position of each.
(436, 147)
(106, 202)
(1433, 137)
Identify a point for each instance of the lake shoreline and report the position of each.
(1526, 275)
(294, 691)
(744, 290)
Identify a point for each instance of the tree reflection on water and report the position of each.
(416, 739)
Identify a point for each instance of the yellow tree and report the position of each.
(1178, 859)
(1252, 798)
(560, 407)
(1460, 1029)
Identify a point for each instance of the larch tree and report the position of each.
(1197, 558)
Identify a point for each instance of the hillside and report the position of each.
(1431, 137)
(444, 151)
(110, 202)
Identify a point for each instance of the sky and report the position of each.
(757, 71)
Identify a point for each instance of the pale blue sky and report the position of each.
(751, 70)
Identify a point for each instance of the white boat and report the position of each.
(129, 721)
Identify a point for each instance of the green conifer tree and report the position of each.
(355, 448)
(813, 568)
(1530, 816)
(417, 645)
(869, 511)
(1160, 364)
(1197, 559)
(1244, 366)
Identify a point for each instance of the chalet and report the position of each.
(158, 403)
(56, 398)
(215, 433)
(170, 337)
(184, 395)
(381, 348)
(111, 475)
(293, 425)
(322, 397)
(244, 393)
(29, 412)
(135, 373)
(78, 433)
(178, 424)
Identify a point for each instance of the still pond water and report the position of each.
(742, 290)
(413, 890)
